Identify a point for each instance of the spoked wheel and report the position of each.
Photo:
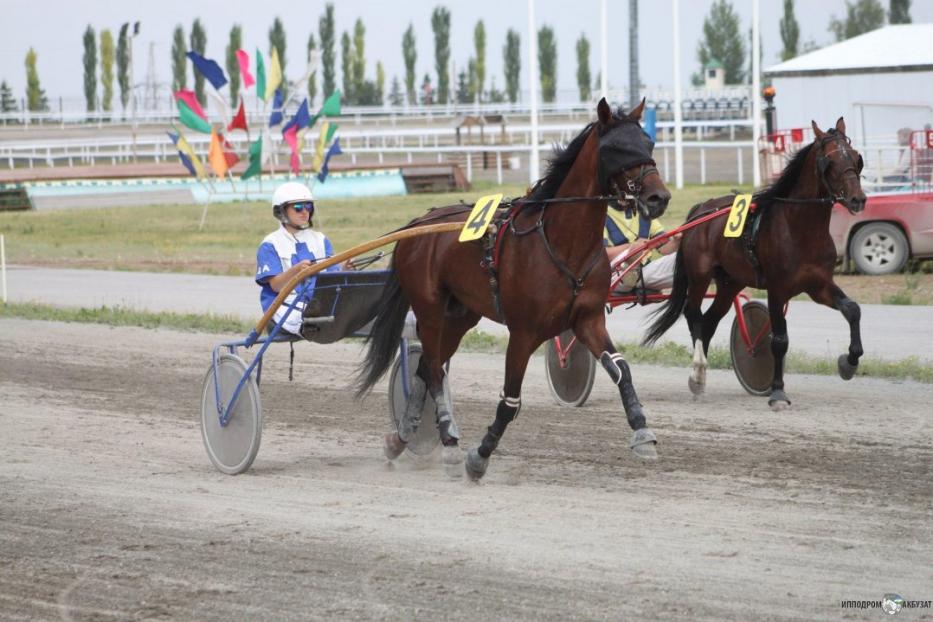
(426, 438)
(754, 363)
(570, 383)
(233, 447)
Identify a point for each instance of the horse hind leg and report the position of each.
(704, 331)
(694, 316)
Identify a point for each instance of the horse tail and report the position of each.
(673, 308)
(385, 335)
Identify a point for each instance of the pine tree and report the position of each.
(440, 23)
(861, 16)
(410, 54)
(359, 56)
(900, 12)
(312, 79)
(179, 60)
(233, 65)
(106, 69)
(327, 33)
(36, 101)
(472, 81)
(198, 43)
(90, 69)
(7, 101)
(547, 62)
(722, 41)
(790, 31)
(277, 41)
(583, 68)
(479, 42)
(346, 68)
(123, 65)
(396, 97)
(512, 56)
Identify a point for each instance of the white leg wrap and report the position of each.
(699, 363)
(612, 364)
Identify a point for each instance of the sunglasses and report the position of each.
(300, 207)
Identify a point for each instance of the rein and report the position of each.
(822, 165)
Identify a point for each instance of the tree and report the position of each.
(90, 69)
(277, 41)
(233, 65)
(463, 88)
(512, 56)
(583, 68)
(410, 54)
(479, 42)
(7, 101)
(359, 55)
(861, 16)
(396, 97)
(380, 82)
(547, 63)
(36, 101)
(327, 33)
(312, 79)
(123, 65)
(198, 43)
(790, 31)
(472, 76)
(900, 12)
(106, 69)
(494, 96)
(440, 23)
(427, 91)
(722, 41)
(346, 68)
(179, 60)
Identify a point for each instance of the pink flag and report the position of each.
(291, 137)
(243, 59)
(191, 101)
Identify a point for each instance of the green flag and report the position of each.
(260, 76)
(331, 107)
(255, 160)
(190, 118)
(331, 130)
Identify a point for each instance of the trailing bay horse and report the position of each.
(788, 252)
(549, 273)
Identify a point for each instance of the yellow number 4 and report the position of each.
(480, 217)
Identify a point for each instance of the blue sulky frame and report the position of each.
(307, 291)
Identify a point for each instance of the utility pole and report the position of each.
(756, 93)
(633, 81)
(603, 51)
(133, 90)
(678, 113)
(533, 163)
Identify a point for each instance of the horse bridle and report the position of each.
(633, 187)
(822, 166)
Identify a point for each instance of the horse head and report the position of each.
(626, 166)
(839, 166)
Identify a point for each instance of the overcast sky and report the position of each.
(55, 28)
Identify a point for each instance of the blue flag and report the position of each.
(185, 160)
(334, 150)
(301, 120)
(276, 117)
(209, 69)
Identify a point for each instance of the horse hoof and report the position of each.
(778, 401)
(452, 458)
(846, 371)
(644, 444)
(696, 388)
(393, 446)
(475, 465)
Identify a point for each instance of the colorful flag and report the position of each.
(318, 160)
(275, 74)
(187, 116)
(229, 156)
(266, 148)
(331, 107)
(186, 154)
(291, 137)
(276, 116)
(260, 76)
(239, 121)
(255, 160)
(334, 150)
(209, 69)
(331, 130)
(216, 156)
(242, 59)
(221, 104)
(189, 98)
(302, 118)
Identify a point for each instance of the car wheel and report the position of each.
(879, 248)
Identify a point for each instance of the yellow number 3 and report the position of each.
(737, 215)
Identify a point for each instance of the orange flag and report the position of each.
(216, 155)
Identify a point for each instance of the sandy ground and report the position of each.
(110, 509)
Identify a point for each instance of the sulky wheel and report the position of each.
(427, 438)
(232, 447)
(754, 364)
(571, 382)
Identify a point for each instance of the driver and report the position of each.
(289, 249)
(625, 231)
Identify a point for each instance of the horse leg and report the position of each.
(779, 343)
(521, 345)
(832, 296)
(591, 330)
(725, 294)
(694, 316)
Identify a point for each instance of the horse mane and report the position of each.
(559, 166)
(782, 186)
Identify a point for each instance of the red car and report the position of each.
(892, 229)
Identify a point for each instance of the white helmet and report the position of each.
(287, 193)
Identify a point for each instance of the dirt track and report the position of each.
(109, 508)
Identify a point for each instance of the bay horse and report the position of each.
(552, 273)
(792, 253)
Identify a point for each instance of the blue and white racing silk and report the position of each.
(279, 251)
